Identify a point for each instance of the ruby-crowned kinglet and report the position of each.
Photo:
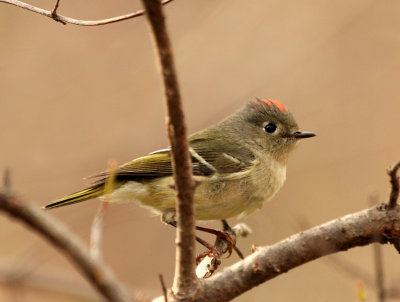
(240, 163)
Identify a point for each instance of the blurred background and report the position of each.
(72, 98)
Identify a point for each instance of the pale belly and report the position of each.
(215, 198)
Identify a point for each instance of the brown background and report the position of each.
(74, 97)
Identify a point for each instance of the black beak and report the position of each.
(300, 134)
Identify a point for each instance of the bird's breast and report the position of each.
(267, 177)
(221, 196)
(239, 193)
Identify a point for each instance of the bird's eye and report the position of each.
(270, 128)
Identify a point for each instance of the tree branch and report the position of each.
(379, 224)
(63, 19)
(184, 270)
(55, 232)
(358, 229)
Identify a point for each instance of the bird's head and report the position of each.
(268, 125)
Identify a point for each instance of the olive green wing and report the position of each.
(223, 153)
(157, 164)
(149, 166)
(146, 167)
(205, 162)
(208, 157)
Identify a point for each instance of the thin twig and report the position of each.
(378, 261)
(54, 11)
(394, 195)
(97, 224)
(54, 15)
(96, 232)
(185, 251)
(65, 20)
(379, 276)
(394, 180)
(61, 237)
(163, 287)
(7, 180)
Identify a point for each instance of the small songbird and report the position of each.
(239, 163)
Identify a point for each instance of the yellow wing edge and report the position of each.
(92, 192)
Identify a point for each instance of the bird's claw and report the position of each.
(211, 251)
(231, 241)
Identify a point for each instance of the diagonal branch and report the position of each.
(377, 224)
(185, 252)
(63, 19)
(55, 232)
(358, 229)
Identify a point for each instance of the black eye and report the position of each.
(270, 128)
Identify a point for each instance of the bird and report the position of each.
(238, 165)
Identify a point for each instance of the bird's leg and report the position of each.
(211, 248)
(226, 227)
(227, 234)
(220, 234)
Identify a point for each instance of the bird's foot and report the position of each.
(227, 235)
(212, 251)
(225, 243)
(209, 261)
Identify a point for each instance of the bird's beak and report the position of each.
(300, 134)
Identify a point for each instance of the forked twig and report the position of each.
(54, 15)
(65, 20)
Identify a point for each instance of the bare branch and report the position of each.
(394, 180)
(379, 275)
(55, 232)
(359, 229)
(63, 19)
(96, 232)
(97, 224)
(353, 230)
(7, 181)
(54, 11)
(184, 270)
(163, 287)
(54, 15)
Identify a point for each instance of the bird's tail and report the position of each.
(92, 192)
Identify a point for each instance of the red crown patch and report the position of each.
(271, 102)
